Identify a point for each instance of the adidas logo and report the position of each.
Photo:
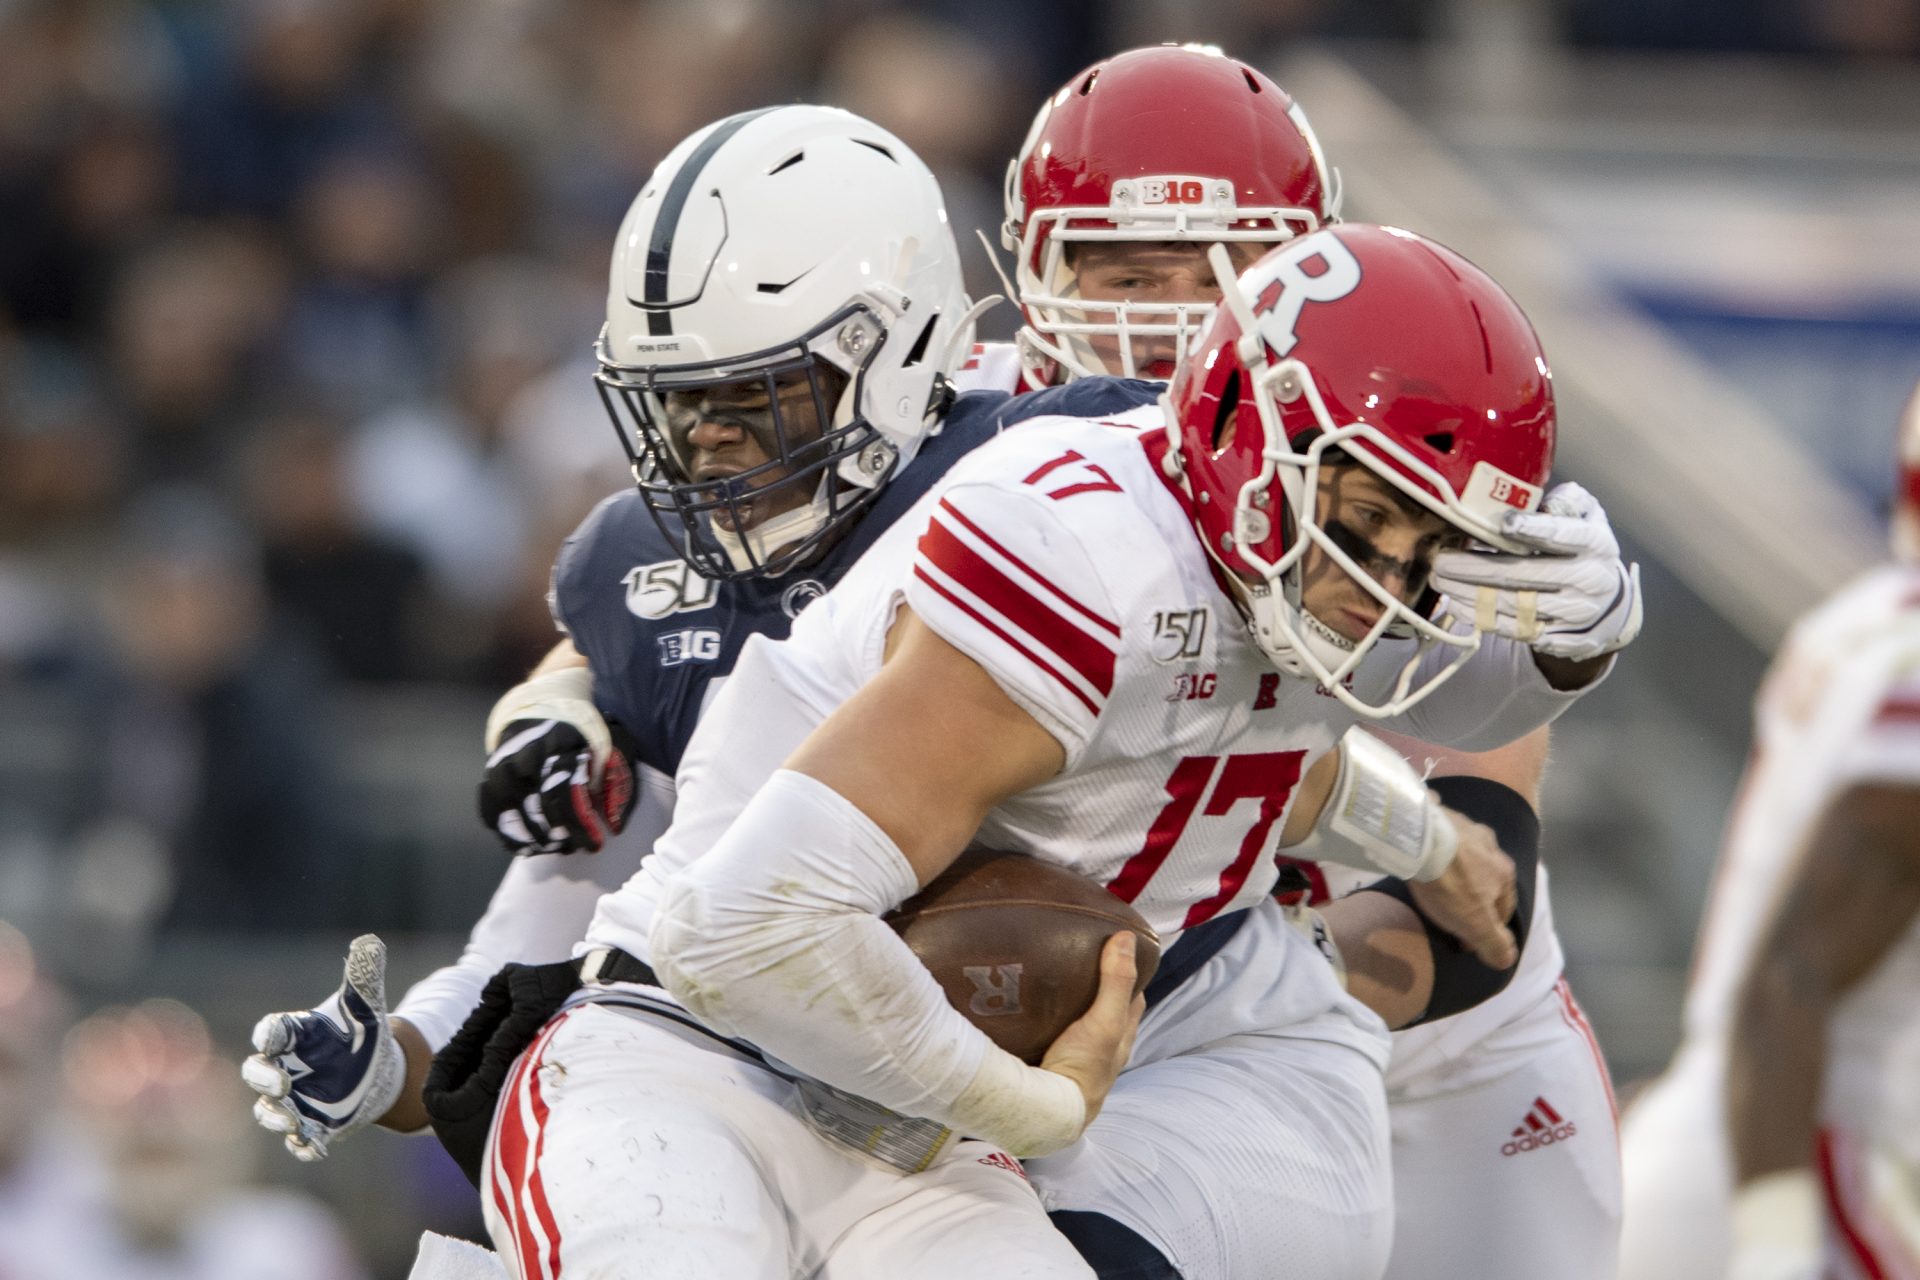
(1001, 1160)
(1542, 1128)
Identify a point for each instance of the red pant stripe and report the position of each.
(536, 1186)
(1848, 1228)
(1577, 1019)
(514, 1163)
(508, 1159)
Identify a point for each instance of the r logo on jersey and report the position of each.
(661, 590)
(695, 644)
(1178, 634)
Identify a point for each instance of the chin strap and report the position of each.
(765, 540)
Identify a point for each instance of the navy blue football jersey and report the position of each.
(657, 634)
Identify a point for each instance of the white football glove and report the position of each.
(326, 1071)
(1574, 599)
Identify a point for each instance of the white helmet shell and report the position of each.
(760, 228)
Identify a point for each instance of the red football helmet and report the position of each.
(1395, 353)
(1906, 497)
(1178, 142)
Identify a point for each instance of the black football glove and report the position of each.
(540, 795)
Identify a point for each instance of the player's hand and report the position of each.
(1474, 897)
(327, 1071)
(542, 792)
(1574, 599)
(1094, 1050)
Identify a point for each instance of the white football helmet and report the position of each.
(791, 272)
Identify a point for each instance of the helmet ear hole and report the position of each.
(919, 349)
(1229, 408)
(1441, 441)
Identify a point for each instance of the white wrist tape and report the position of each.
(566, 694)
(1380, 815)
(775, 935)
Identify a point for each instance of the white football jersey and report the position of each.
(1840, 706)
(1060, 559)
(991, 366)
(1423, 1054)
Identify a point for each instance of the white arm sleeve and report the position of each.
(1498, 697)
(775, 935)
(540, 910)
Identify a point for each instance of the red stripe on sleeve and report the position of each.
(1019, 648)
(1028, 613)
(1028, 569)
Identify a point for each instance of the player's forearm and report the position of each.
(1775, 1067)
(775, 935)
(408, 1114)
(1568, 675)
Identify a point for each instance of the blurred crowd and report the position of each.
(123, 1152)
(296, 300)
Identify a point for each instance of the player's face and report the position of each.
(730, 430)
(1387, 534)
(1150, 273)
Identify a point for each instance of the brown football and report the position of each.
(1015, 943)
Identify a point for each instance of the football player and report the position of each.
(761, 479)
(1783, 1143)
(1504, 1154)
(1135, 645)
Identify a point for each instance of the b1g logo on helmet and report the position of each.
(656, 591)
(1335, 273)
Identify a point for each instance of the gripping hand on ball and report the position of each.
(1094, 1050)
(326, 1071)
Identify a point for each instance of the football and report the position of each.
(1015, 943)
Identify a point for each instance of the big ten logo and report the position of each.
(660, 590)
(1268, 694)
(1194, 686)
(1179, 635)
(1510, 491)
(1488, 483)
(695, 644)
(1172, 191)
(996, 989)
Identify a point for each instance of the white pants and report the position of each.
(1248, 1138)
(1473, 1197)
(627, 1146)
(1679, 1175)
(1247, 1141)
(1679, 1181)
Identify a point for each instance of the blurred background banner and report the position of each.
(296, 305)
